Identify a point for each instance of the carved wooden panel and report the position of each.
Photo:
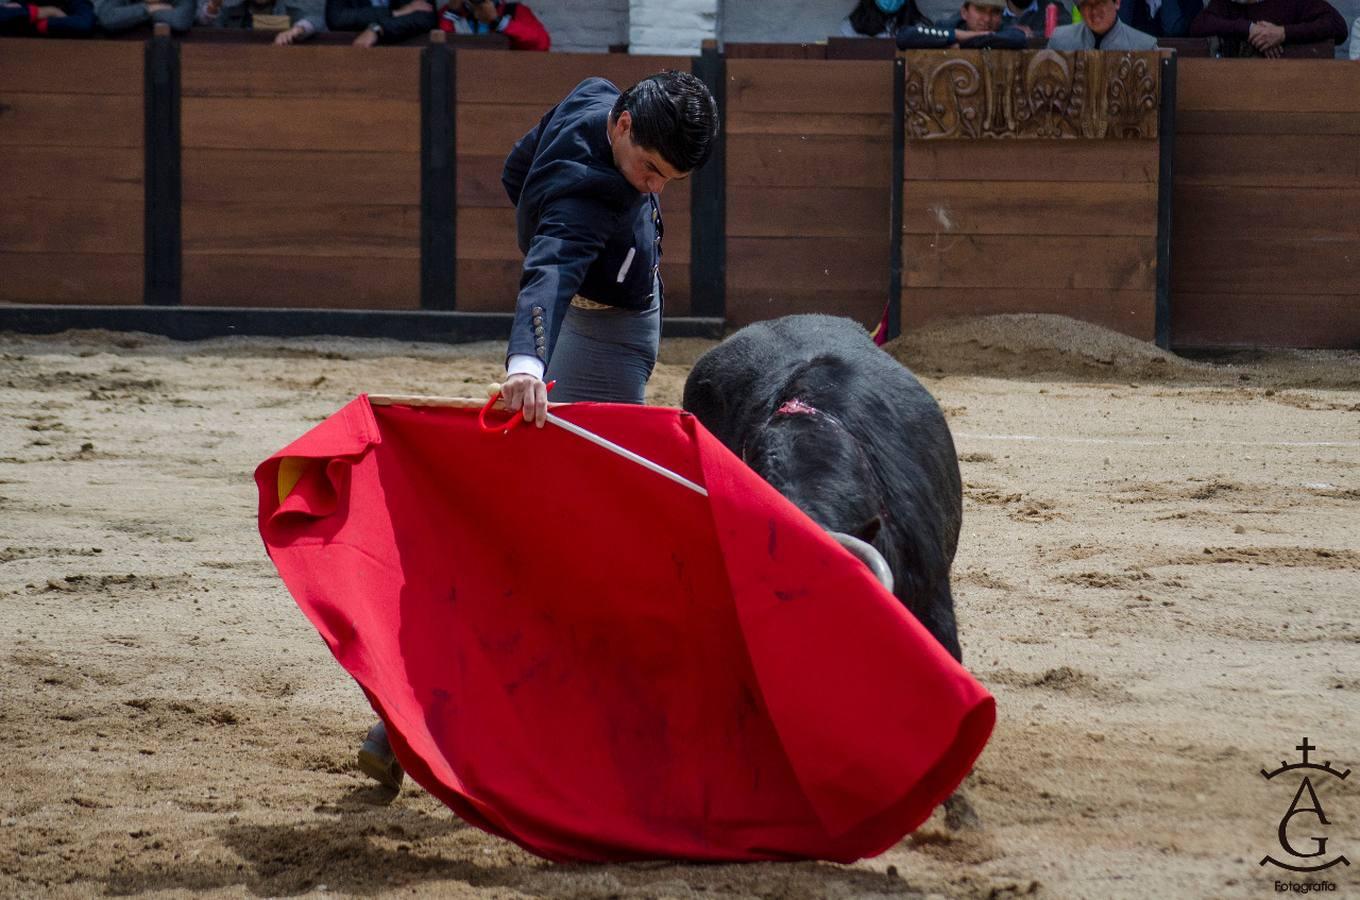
(1046, 94)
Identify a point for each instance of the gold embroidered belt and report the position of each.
(582, 303)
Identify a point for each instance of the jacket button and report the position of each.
(538, 330)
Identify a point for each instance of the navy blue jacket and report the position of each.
(582, 227)
(937, 37)
(1172, 20)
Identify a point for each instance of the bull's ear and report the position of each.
(869, 530)
(703, 398)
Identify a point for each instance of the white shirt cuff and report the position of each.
(523, 362)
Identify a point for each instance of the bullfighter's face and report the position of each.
(646, 170)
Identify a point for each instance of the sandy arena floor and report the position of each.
(1159, 578)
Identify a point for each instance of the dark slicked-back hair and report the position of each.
(674, 115)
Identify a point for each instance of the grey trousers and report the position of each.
(604, 355)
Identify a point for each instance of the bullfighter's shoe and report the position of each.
(377, 761)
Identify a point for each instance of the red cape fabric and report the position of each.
(586, 658)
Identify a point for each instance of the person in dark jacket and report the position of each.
(584, 183)
(978, 27)
(378, 23)
(880, 18)
(1160, 18)
(122, 15)
(72, 18)
(294, 21)
(1263, 28)
(514, 20)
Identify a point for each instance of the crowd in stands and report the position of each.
(1243, 27)
(291, 21)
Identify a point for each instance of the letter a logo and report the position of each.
(1297, 807)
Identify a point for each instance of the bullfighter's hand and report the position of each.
(523, 391)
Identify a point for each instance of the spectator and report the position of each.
(880, 18)
(121, 15)
(1101, 29)
(1031, 19)
(514, 20)
(73, 19)
(1160, 18)
(294, 20)
(977, 27)
(1264, 27)
(377, 22)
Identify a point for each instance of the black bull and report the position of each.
(849, 436)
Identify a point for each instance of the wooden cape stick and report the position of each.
(414, 400)
(469, 403)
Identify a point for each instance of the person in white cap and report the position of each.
(1100, 29)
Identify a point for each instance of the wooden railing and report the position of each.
(1219, 215)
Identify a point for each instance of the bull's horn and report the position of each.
(866, 552)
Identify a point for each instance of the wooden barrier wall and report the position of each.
(1266, 236)
(71, 131)
(302, 188)
(997, 221)
(1063, 227)
(500, 97)
(809, 158)
(301, 177)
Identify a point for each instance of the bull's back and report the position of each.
(731, 383)
(833, 365)
(736, 384)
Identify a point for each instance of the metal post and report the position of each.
(1166, 179)
(162, 241)
(438, 175)
(899, 156)
(708, 201)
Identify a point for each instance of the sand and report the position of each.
(1158, 578)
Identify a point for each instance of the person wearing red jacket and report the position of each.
(515, 20)
(71, 18)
